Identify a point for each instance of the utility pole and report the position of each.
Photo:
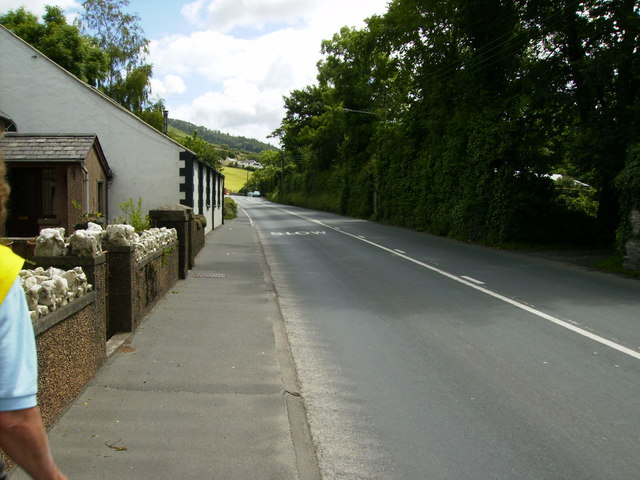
(374, 198)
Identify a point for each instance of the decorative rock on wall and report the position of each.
(82, 243)
(632, 247)
(146, 243)
(88, 243)
(154, 239)
(50, 243)
(47, 290)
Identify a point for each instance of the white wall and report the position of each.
(41, 97)
(214, 211)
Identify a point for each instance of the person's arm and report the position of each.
(23, 438)
(22, 434)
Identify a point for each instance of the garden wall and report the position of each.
(126, 281)
(70, 352)
(137, 286)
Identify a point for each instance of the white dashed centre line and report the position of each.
(471, 279)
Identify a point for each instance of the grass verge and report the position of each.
(235, 178)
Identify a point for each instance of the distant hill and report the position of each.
(223, 139)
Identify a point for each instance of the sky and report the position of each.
(226, 64)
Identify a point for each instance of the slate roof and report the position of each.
(30, 148)
(39, 148)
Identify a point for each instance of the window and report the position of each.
(48, 190)
(102, 198)
(208, 188)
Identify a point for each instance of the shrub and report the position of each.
(230, 209)
(628, 184)
(201, 221)
(134, 216)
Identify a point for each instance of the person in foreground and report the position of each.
(22, 434)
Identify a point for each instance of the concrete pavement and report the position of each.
(204, 389)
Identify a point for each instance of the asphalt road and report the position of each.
(425, 358)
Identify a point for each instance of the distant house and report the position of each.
(48, 174)
(249, 164)
(38, 96)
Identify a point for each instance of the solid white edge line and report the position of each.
(248, 216)
(515, 303)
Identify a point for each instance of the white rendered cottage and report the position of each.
(42, 98)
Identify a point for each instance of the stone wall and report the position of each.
(198, 228)
(71, 339)
(70, 352)
(71, 348)
(95, 269)
(180, 218)
(135, 287)
(154, 277)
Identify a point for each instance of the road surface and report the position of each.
(426, 358)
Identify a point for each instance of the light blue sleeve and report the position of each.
(18, 362)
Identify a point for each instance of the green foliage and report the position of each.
(223, 140)
(134, 215)
(153, 115)
(122, 38)
(628, 181)
(270, 158)
(577, 197)
(229, 208)
(447, 116)
(117, 33)
(84, 218)
(203, 149)
(628, 184)
(166, 255)
(200, 221)
(62, 43)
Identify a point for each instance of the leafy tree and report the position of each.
(270, 158)
(120, 35)
(61, 42)
(588, 50)
(203, 149)
(117, 33)
(446, 116)
(154, 115)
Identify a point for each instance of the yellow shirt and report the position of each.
(10, 266)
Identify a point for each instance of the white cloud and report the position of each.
(246, 76)
(239, 107)
(245, 80)
(269, 59)
(241, 57)
(225, 15)
(169, 85)
(37, 6)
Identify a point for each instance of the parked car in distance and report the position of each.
(256, 193)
